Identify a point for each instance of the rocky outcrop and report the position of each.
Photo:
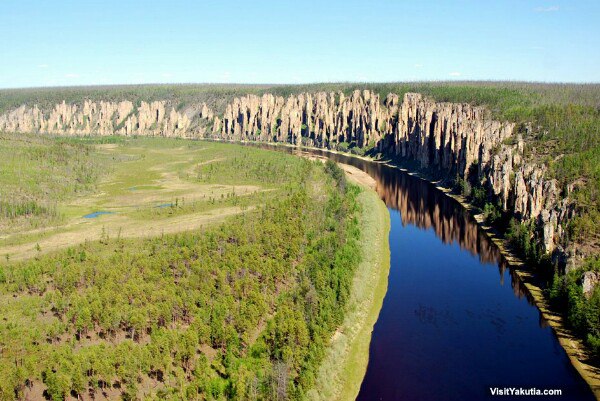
(318, 119)
(590, 280)
(446, 136)
(452, 138)
(103, 118)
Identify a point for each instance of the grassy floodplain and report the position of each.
(147, 186)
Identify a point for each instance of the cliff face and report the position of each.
(446, 136)
(523, 188)
(103, 118)
(454, 139)
(323, 119)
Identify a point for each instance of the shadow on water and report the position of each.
(456, 320)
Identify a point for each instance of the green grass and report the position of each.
(250, 166)
(144, 187)
(179, 206)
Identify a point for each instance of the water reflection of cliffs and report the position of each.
(424, 206)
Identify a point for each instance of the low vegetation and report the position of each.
(37, 173)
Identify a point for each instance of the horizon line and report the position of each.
(232, 84)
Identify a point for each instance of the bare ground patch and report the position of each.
(119, 226)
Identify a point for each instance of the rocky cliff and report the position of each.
(455, 139)
(106, 118)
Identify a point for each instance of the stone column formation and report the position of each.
(449, 137)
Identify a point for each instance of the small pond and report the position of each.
(96, 214)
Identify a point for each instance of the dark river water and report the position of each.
(455, 321)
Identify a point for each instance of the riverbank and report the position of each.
(346, 359)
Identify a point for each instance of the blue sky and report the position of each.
(51, 43)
